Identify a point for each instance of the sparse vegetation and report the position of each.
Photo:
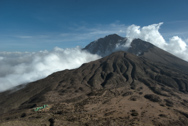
(134, 113)
(133, 98)
(152, 97)
(162, 115)
(127, 93)
(23, 115)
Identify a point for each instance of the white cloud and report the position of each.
(151, 33)
(148, 33)
(19, 68)
(177, 47)
(177, 44)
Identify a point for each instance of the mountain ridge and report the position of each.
(137, 47)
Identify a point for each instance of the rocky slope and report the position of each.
(121, 89)
(107, 45)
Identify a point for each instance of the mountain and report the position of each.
(105, 46)
(119, 89)
(111, 43)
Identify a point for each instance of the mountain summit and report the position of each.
(112, 43)
(105, 46)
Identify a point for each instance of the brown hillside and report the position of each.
(120, 89)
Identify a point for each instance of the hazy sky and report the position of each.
(34, 25)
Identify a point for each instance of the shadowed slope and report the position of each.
(155, 54)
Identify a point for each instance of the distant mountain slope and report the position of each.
(108, 44)
(119, 89)
(105, 46)
(111, 43)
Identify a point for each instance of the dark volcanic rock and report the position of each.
(105, 46)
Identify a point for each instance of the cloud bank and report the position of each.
(20, 68)
(150, 33)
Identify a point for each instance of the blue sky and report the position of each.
(34, 25)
